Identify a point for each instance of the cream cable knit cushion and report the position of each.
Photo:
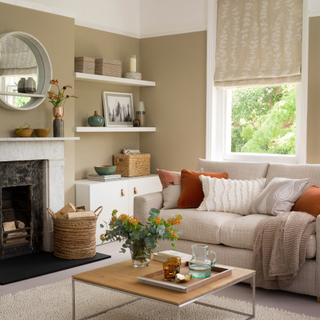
(228, 195)
(279, 196)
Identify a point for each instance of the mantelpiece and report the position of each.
(51, 150)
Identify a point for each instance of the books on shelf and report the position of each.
(164, 255)
(108, 177)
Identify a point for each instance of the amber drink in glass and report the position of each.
(169, 270)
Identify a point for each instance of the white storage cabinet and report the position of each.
(112, 195)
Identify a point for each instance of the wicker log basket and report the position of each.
(74, 238)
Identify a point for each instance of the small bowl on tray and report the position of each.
(105, 169)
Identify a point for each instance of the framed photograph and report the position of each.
(118, 109)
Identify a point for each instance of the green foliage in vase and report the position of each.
(129, 228)
(264, 120)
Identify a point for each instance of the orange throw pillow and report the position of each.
(191, 187)
(309, 201)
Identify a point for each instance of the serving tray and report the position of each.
(156, 279)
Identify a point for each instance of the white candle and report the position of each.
(133, 64)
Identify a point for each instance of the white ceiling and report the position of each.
(134, 18)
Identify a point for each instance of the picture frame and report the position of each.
(118, 109)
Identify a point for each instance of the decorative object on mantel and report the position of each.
(41, 132)
(24, 130)
(141, 113)
(133, 74)
(84, 65)
(132, 165)
(141, 239)
(105, 67)
(74, 232)
(96, 120)
(118, 109)
(58, 100)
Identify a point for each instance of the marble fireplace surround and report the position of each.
(51, 150)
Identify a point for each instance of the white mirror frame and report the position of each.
(44, 71)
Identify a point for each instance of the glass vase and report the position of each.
(140, 254)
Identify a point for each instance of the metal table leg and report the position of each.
(178, 313)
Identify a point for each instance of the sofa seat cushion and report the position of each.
(239, 233)
(201, 226)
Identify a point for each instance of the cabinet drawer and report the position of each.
(138, 187)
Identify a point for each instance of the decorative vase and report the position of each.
(96, 120)
(140, 113)
(58, 124)
(21, 85)
(140, 254)
(30, 86)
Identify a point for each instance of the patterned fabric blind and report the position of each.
(258, 42)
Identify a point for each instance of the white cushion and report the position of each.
(279, 196)
(171, 196)
(228, 195)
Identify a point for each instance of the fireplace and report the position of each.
(31, 180)
(21, 204)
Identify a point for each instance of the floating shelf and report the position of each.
(114, 129)
(113, 80)
(19, 94)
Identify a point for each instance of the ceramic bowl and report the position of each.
(43, 132)
(24, 132)
(104, 170)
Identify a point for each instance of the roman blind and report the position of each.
(258, 42)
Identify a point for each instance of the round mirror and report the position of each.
(25, 71)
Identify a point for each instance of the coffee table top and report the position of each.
(123, 277)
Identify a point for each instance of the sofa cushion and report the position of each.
(169, 178)
(235, 170)
(191, 187)
(239, 233)
(229, 195)
(295, 171)
(309, 201)
(171, 196)
(200, 226)
(279, 196)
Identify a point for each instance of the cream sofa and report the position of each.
(230, 235)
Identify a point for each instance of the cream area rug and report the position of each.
(54, 302)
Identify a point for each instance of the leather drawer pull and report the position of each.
(122, 193)
(135, 191)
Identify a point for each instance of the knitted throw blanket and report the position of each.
(280, 246)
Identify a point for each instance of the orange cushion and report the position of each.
(191, 187)
(169, 178)
(309, 201)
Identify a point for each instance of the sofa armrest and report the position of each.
(143, 204)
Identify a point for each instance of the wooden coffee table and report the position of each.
(122, 277)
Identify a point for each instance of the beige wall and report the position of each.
(313, 133)
(56, 33)
(98, 148)
(177, 105)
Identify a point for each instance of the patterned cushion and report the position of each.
(229, 195)
(279, 196)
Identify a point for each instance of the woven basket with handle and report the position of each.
(74, 238)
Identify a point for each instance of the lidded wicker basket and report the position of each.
(74, 238)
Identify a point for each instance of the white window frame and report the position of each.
(216, 116)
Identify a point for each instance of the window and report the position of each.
(260, 120)
(272, 126)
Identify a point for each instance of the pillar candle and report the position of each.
(133, 64)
